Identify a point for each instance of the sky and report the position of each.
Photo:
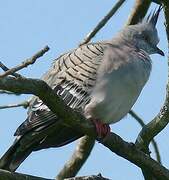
(25, 28)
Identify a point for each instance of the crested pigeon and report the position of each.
(102, 80)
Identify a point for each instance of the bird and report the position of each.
(102, 80)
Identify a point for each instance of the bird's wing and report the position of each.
(72, 77)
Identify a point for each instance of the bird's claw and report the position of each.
(102, 129)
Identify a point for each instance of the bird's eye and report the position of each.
(146, 38)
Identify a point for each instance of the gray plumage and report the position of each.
(101, 80)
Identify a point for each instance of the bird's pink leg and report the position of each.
(102, 129)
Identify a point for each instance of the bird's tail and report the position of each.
(12, 158)
(24, 145)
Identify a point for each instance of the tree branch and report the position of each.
(25, 63)
(102, 22)
(6, 175)
(7, 69)
(139, 11)
(48, 96)
(79, 157)
(23, 104)
(166, 13)
(157, 1)
(7, 92)
(130, 152)
(98, 177)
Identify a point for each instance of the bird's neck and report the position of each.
(124, 42)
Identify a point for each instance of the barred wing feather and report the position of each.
(72, 76)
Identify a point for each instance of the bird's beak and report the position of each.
(159, 51)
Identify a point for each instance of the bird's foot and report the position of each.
(102, 129)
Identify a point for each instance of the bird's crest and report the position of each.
(153, 16)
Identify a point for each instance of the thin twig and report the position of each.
(141, 122)
(135, 116)
(23, 104)
(7, 69)
(26, 63)
(7, 92)
(94, 177)
(102, 22)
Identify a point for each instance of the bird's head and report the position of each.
(144, 35)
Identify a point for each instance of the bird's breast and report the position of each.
(116, 92)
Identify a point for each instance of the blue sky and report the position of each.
(25, 28)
